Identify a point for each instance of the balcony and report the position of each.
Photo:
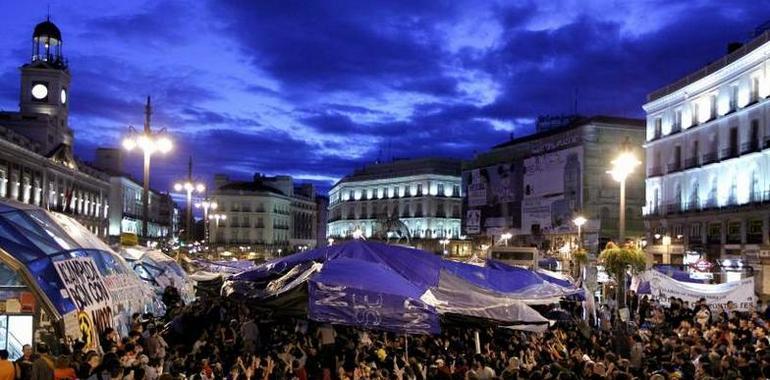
(690, 163)
(674, 166)
(729, 153)
(709, 158)
(655, 171)
(750, 147)
(675, 128)
(757, 199)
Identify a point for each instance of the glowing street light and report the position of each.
(358, 234)
(149, 143)
(622, 167)
(188, 186)
(206, 205)
(505, 237)
(444, 243)
(579, 222)
(330, 241)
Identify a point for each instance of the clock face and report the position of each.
(63, 96)
(39, 91)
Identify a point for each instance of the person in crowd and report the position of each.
(7, 369)
(24, 363)
(63, 370)
(43, 366)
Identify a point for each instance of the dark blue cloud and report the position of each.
(317, 88)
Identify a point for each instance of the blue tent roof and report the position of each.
(376, 285)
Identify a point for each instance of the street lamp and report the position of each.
(206, 205)
(444, 243)
(149, 142)
(217, 218)
(506, 236)
(579, 222)
(330, 241)
(188, 186)
(622, 167)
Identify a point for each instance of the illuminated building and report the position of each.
(37, 165)
(408, 200)
(270, 215)
(532, 187)
(708, 162)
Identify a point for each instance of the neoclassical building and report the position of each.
(267, 214)
(708, 162)
(36, 161)
(419, 197)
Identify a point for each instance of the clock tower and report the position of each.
(45, 83)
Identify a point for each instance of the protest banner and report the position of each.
(741, 293)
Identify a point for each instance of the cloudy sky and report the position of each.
(316, 89)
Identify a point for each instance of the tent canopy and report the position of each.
(375, 285)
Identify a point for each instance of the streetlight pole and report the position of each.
(206, 205)
(579, 222)
(189, 187)
(622, 167)
(149, 143)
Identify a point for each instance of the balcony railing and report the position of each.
(709, 158)
(750, 147)
(675, 128)
(675, 166)
(757, 198)
(691, 162)
(729, 153)
(655, 171)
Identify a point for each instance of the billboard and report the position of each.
(552, 190)
(493, 197)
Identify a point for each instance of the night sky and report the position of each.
(316, 89)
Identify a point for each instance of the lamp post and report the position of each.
(189, 187)
(149, 142)
(206, 204)
(444, 243)
(579, 222)
(622, 167)
(330, 241)
(506, 236)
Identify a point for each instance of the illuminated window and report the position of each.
(754, 89)
(733, 98)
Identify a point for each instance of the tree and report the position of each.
(579, 259)
(617, 261)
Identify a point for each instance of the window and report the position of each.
(733, 148)
(658, 127)
(441, 190)
(456, 190)
(677, 157)
(695, 232)
(733, 98)
(754, 138)
(419, 189)
(678, 119)
(754, 89)
(694, 115)
(715, 233)
(734, 233)
(351, 195)
(712, 107)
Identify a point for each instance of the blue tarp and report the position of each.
(376, 285)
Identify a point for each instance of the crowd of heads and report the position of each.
(218, 338)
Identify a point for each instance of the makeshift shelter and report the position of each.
(375, 285)
(159, 271)
(60, 280)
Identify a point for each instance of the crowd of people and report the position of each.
(217, 339)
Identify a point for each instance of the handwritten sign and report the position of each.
(84, 283)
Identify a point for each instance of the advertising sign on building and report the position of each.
(473, 221)
(552, 189)
(495, 191)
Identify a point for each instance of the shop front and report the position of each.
(60, 283)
